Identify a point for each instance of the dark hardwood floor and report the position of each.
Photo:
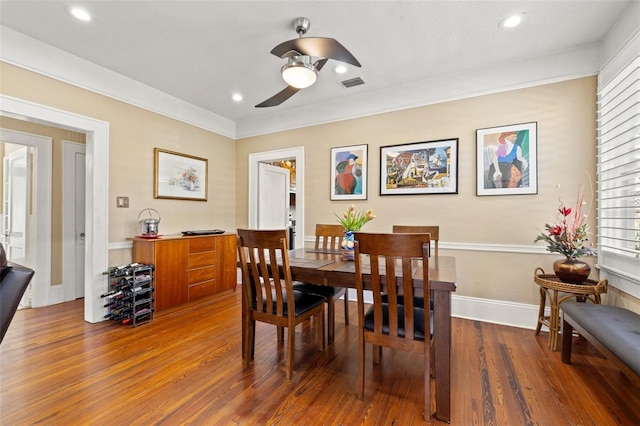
(185, 367)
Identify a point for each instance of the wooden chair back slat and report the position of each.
(328, 237)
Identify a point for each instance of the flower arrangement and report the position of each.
(568, 236)
(352, 220)
(189, 177)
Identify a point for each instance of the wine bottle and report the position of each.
(111, 293)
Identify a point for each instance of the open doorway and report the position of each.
(295, 155)
(97, 192)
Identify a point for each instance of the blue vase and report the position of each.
(348, 245)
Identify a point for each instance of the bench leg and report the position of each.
(567, 344)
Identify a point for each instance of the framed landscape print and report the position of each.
(349, 171)
(506, 160)
(179, 176)
(419, 168)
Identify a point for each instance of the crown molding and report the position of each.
(34, 55)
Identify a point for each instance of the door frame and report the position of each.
(69, 200)
(97, 192)
(268, 156)
(40, 208)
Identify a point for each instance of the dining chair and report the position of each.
(433, 230)
(268, 292)
(328, 237)
(389, 269)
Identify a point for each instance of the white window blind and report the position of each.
(619, 175)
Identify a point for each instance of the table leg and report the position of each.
(543, 302)
(244, 325)
(553, 321)
(442, 361)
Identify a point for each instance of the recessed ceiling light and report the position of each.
(340, 69)
(512, 21)
(236, 97)
(80, 13)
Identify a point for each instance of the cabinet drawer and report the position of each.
(198, 260)
(201, 274)
(199, 290)
(197, 245)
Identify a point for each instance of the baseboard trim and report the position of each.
(56, 294)
(511, 314)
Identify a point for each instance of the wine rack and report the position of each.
(130, 295)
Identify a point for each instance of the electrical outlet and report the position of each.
(122, 202)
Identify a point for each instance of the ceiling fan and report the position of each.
(300, 71)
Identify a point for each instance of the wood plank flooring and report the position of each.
(185, 367)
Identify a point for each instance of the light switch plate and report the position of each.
(122, 202)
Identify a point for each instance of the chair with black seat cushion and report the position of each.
(328, 237)
(392, 260)
(268, 292)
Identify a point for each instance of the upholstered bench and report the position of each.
(614, 331)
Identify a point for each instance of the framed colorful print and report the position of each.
(179, 176)
(419, 168)
(506, 160)
(349, 171)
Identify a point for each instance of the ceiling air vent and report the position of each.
(352, 82)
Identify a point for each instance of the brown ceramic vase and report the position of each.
(571, 271)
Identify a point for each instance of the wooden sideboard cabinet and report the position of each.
(188, 267)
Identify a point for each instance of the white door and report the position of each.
(16, 203)
(258, 158)
(73, 222)
(273, 197)
(38, 243)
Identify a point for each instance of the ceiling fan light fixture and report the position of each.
(298, 72)
(512, 21)
(79, 13)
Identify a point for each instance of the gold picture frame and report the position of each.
(180, 176)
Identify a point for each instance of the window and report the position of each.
(619, 178)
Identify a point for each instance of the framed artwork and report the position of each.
(349, 171)
(179, 176)
(506, 160)
(419, 168)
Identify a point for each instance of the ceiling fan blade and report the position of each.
(279, 97)
(319, 64)
(315, 46)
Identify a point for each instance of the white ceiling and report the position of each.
(203, 51)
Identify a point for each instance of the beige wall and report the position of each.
(57, 135)
(566, 117)
(134, 133)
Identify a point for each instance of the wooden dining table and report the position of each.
(326, 267)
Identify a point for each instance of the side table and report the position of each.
(551, 287)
